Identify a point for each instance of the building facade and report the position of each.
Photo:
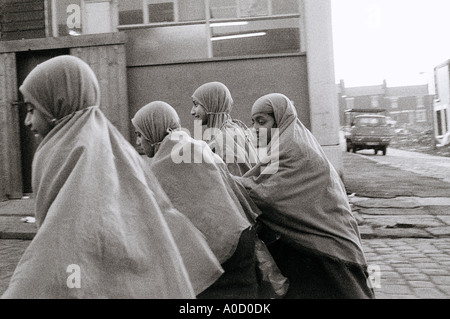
(146, 50)
(441, 103)
(410, 105)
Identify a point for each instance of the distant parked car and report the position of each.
(369, 131)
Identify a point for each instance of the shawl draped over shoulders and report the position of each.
(299, 192)
(102, 231)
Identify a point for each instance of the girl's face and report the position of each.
(263, 123)
(199, 113)
(36, 121)
(144, 144)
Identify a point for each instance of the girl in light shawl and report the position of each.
(229, 138)
(305, 208)
(196, 181)
(101, 231)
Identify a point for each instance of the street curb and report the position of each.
(17, 235)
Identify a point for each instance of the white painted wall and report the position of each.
(324, 106)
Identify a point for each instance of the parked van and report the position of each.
(368, 129)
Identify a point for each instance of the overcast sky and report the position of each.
(397, 40)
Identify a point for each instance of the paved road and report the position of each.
(419, 163)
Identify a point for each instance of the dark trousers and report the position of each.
(239, 281)
(314, 276)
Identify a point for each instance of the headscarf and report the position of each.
(96, 210)
(216, 98)
(303, 199)
(195, 180)
(55, 94)
(230, 139)
(151, 117)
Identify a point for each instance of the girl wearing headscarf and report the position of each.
(229, 138)
(196, 181)
(316, 241)
(101, 231)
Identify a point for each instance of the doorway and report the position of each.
(26, 62)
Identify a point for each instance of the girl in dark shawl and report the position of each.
(310, 229)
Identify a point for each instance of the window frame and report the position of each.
(394, 102)
(145, 12)
(52, 10)
(421, 115)
(207, 19)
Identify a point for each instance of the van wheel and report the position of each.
(349, 145)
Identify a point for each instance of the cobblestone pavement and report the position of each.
(410, 268)
(11, 250)
(406, 238)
